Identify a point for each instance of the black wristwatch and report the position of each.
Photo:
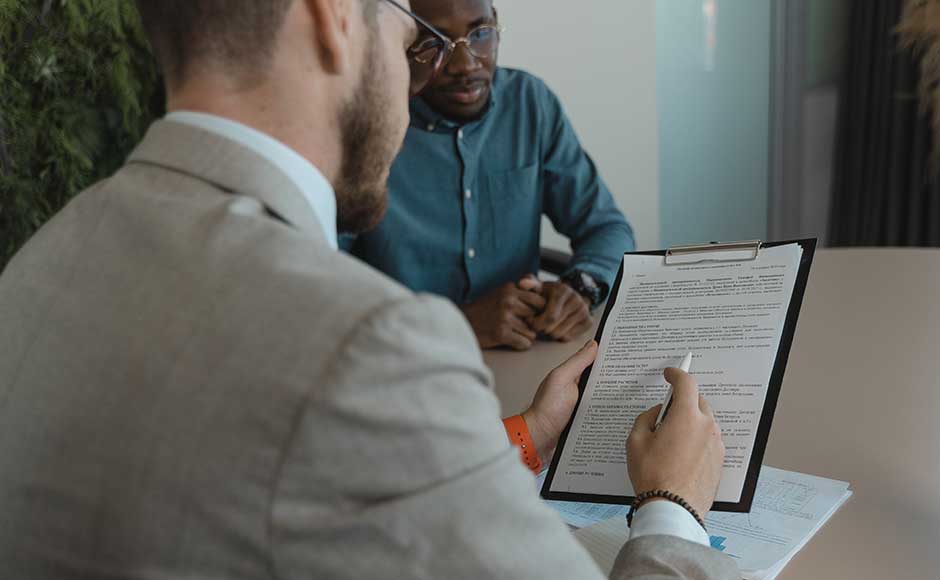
(585, 285)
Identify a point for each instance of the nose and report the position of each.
(462, 62)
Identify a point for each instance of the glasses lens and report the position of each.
(483, 41)
(424, 57)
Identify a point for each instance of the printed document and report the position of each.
(581, 514)
(730, 315)
(789, 508)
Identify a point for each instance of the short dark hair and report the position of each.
(239, 34)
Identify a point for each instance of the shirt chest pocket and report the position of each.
(514, 203)
(512, 185)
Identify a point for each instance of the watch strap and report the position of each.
(519, 436)
(586, 285)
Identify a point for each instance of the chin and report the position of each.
(460, 111)
(471, 113)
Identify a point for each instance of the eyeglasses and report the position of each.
(430, 54)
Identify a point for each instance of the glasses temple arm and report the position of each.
(420, 21)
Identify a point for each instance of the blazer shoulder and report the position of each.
(334, 276)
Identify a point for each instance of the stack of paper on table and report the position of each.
(789, 508)
(579, 514)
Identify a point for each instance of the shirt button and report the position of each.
(471, 253)
(460, 133)
(468, 194)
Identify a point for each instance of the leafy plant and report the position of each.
(920, 30)
(78, 87)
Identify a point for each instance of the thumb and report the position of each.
(572, 368)
(684, 388)
(530, 284)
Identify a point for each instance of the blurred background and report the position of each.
(746, 119)
(712, 120)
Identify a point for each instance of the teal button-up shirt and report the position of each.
(466, 201)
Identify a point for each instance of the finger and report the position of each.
(533, 300)
(574, 313)
(552, 314)
(569, 308)
(684, 389)
(517, 306)
(512, 301)
(530, 284)
(644, 424)
(577, 330)
(516, 341)
(540, 322)
(565, 331)
(519, 326)
(571, 369)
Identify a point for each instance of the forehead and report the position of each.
(453, 16)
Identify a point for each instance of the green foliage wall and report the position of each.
(78, 87)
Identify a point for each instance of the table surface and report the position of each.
(859, 403)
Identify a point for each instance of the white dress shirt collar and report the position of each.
(308, 179)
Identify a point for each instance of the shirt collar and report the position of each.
(426, 118)
(304, 175)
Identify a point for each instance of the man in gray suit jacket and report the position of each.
(194, 383)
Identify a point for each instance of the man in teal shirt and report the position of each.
(488, 152)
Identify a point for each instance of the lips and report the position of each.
(466, 93)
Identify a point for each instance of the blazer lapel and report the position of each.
(229, 166)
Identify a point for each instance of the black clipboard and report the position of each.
(773, 388)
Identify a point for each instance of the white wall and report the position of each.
(714, 139)
(599, 56)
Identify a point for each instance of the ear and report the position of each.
(333, 30)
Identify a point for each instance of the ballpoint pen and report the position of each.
(667, 402)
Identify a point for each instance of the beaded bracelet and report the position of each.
(668, 495)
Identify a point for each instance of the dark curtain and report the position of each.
(886, 190)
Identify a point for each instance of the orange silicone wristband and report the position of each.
(519, 436)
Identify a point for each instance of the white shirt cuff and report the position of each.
(664, 518)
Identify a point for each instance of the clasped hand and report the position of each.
(515, 315)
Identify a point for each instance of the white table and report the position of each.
(859, 403)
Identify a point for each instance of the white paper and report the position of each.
(730, 315)
(581, 514)
(789, 508)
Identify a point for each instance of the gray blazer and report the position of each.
(193, 384)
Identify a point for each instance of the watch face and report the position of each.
(588, 281)
(585, 285)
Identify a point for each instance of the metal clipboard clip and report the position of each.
(747, 251)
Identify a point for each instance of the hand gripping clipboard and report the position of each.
(686, 255)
